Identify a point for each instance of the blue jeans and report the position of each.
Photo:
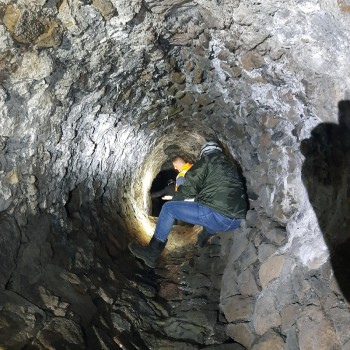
(193, 213)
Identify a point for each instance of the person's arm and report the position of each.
(193, 183)
(159, 193)
(180, 181)
(166, 191)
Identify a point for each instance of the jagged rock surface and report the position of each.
(97, 96)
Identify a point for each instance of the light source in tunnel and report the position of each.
(146, 225)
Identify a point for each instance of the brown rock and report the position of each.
(105, 7)
(170, 291)
(204, 99)
(265, 140)
(241, 333)
(12, 177)
(271, 269)
(289, 315)
(247, 283)
(252, 61)
(272, 342)
(189, 65)
(52, 37)
(315, 331)
(178, 77)
(266, 316)
(233, 72)
(344, 6)
(341, 320)
(198, 76)
(277, 235)
(187, 99)
(11, 18)
(29, 28)
(238, 308)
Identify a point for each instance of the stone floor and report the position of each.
(70, 292)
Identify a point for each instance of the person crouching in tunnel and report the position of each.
(182, 167)
(212, 196)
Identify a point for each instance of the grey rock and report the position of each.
(61, 333)
(315, 330)
(238, 308)
(17, 313)
(266, 314)
(265, 251)
(271, 341)
(10, 240)
(241, 333)
(97, 96)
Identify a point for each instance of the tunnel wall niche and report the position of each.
(92, 96)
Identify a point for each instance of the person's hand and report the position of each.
(167, 198)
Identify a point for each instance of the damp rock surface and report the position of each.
(97, 97)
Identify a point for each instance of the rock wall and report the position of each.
(96, 96)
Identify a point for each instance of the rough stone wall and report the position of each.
(96, 95)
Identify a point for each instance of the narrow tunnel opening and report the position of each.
(162, 185)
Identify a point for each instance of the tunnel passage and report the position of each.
(95, 96)
(162, 185)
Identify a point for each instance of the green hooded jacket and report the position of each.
(215, 182)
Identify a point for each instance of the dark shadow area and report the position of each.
(43, 260)
(326, 175)
(248, 194)
(161, 186)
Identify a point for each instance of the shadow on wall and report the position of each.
(326, 175)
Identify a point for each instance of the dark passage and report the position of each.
(162, 185)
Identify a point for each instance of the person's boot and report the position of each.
(203, 238)
(149, 253)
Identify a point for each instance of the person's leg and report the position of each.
(193, 213)
(150, 253)
(186, 211)
(189, 212)
(225, 223)
(216, 222)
